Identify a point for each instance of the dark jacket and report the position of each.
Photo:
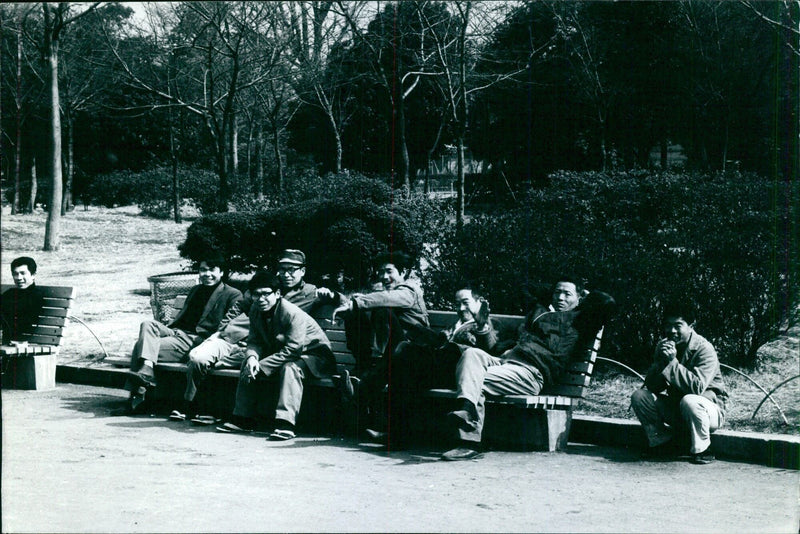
(221, 300)
(548, 338)
(286, 335)
(20, 311)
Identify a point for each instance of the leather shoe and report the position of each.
(143, 377)
(463, 420)
(461, 453)
(703, 458)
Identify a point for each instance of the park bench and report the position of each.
(32, 364)
(540, 422)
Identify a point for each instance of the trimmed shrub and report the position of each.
(354, 220)
(723, 242)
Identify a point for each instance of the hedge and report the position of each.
(726, 242)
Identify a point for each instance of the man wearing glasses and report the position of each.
(225, 348)
(285, 342)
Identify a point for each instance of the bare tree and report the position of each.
(56, 19)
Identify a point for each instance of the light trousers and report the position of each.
(700, 416)
(290, 392)
(479, 374)
(158, 342)
(213, 353)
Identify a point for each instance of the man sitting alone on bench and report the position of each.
(21, 305)
(205, 306)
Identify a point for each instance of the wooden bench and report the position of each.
(32, 365)
(539, 422)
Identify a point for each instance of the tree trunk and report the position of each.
(460, 215)
(66, 201)
(234, 146)
(258, 186)
(34, 187)
(18, 152)
(401, 141)
(52, 227)
(176, 185)
(276, 147)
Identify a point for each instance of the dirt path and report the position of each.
(69, 467)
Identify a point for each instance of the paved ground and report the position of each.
(69, 467)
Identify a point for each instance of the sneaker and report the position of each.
(205, 420)
(281, 434)
(461, 453)
(230, 428)
(703, 458)
(463, 420)
(177, 415)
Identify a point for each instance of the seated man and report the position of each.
(225, 348)
(389, 313)
(683, 385)
(283, 341)
(21, 305)
(205, 306)
(543, 349)
(430, 359)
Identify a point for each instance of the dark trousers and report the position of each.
(414, 369)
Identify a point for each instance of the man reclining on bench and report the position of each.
(544, 347)
(205, 306)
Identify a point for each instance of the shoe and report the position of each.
(177, 416)
(205, 420)
(230, 428)
(376, 436)
(346, 384)
(463, 420)
(703, 458)
(281, 434)
(461, 453)
(145, 376)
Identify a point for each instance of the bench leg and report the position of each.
(558, 423)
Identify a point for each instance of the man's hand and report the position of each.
(482, 317)
(252, 367)
(325, 293)
(345, 306)
(666, 351)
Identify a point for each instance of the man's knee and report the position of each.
(292, 369)
(641, 397)
(149, 326)
(691, 407)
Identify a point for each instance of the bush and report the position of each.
(722, 241)
(353, 220)
(151, 189)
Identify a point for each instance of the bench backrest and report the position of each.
(53, 317)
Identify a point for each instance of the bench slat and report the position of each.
(51, 321)
(345, 358)
(54, 312)
(567, 391)
(30, 350)
(41, 340)
(42, 330)
(58, 292)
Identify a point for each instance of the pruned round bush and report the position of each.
(337, 234)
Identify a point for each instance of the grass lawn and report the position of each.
(107, 255)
